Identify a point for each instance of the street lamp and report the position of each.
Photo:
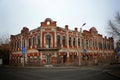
(82, 26)
(78, 49)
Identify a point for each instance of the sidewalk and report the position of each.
(113, 71)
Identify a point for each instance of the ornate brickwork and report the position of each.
(50, 44)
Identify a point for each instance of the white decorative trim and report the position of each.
(29, 51)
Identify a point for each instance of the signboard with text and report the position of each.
(118, 52)
(23, 50)
(84, 50)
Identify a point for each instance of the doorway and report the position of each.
(64, 57)
(48, 59)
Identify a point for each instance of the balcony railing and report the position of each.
(48, 48)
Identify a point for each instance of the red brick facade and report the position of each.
(50, 44)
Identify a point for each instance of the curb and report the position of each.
(113, 74)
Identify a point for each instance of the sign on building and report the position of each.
(23, 50)
(118, 52)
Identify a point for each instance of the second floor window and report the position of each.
(48, 41)
(100, 45)
(74, 42)
(38, 41)
(58, 40)
(23, 43)
(70, 41)
(87, 43)
(83, 43)
(79, 42)
(29, 42)
(18, 44)
(33, 41)
(64, 40)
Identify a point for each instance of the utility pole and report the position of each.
(79, 56)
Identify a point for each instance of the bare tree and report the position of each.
(114, 27)
(5, 48)
(4, 39)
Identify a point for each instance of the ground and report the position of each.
(57, 73)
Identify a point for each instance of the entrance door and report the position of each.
(59, 59)
(49, 61)
(64, 57)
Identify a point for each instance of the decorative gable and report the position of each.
(93, 31)
(48, 22)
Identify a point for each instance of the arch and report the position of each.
(48, 41)
(58, 41)
(48, 20)
(93, 31)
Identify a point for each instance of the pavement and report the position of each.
(109, 69)
(113, 71)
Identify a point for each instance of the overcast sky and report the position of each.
(15, 14)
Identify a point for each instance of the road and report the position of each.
(12, 73)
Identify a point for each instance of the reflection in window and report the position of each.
(29, 42)
(83, 43)
(38, 41)
(58, 40)
(73, 41)
(64, 40)
(70, 41)
(48, 41)
(79, 42)
(23, 43)
(33, 41)
(87, 43)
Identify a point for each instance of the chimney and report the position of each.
(76, 29)
(105, 37)
(66, 27)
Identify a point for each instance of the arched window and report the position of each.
(58, 40)
(79, 42)
(70, 41)
(48, 41)
(33, 39)
(23, 43)
(100, 45)
(83, 43)
(87, 43)
(38, 41)
(64, 40)
(29, 42)
(74, 42)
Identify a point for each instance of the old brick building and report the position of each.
(51, 44)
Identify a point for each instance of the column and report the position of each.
(67, 40)
(55, 39)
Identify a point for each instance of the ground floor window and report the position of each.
(38, 59)
(71, 58)
(48, 59)
(59, 59)
(64, 58)
(28, 59)
(75, 58)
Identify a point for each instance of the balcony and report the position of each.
(48, 48)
